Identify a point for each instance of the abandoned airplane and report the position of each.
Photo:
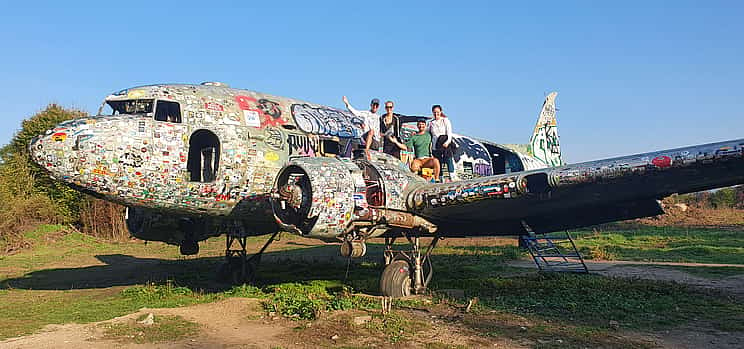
(195, 161)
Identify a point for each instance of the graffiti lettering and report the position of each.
(302, 145)
(326, 121)
(482, 169)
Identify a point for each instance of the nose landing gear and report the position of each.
(238, 267)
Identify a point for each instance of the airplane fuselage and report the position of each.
(211, 150)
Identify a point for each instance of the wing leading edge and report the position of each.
(577, 195)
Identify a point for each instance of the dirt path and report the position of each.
(241, 323)
(231, 323)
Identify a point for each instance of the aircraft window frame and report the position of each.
(145, 106)
(172, 113)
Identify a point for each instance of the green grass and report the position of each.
(47, 285)
(164, 328)
(663, 244)
(591, 300)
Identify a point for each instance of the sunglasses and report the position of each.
(388, 107)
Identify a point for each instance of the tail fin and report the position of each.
(544, 144)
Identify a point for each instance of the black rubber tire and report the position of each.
(189, 248)
(396, 280)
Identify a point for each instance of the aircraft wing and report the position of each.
(577, 195)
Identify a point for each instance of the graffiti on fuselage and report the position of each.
(326, 121)
(302, 145)
(274, 138)
(471, 158)
(260, 112)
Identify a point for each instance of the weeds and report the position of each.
(308, 300)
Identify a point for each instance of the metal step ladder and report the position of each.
(553, 253)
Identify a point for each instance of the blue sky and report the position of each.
(631, 76)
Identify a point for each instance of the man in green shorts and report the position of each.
(420, 143)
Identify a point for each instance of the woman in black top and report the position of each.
(390, 131)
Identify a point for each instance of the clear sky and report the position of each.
(631, 76)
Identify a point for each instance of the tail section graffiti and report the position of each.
(545, 144)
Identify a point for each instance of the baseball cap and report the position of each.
(375, 101)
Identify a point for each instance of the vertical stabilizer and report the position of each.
(544, 144)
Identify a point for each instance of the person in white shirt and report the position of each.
(371, 135)
(441, 138)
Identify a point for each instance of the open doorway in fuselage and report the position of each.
(204, 156)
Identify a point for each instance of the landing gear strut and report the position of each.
(238, 267)
(189, 246)
(406, 271)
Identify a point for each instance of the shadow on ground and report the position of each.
(303, 264)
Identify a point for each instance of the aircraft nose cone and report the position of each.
(51, 149)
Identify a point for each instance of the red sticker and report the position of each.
(245, 102)
(215, 106)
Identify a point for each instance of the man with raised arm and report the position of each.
(371, 135)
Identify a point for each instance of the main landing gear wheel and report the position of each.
(407, 271)
(189, 247)
(238, 268)
(396, 280)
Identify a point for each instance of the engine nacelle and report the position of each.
(329, 197)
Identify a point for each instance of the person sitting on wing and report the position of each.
(420, 144)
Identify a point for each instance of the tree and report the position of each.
(27, 195)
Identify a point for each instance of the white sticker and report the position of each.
(251, 118)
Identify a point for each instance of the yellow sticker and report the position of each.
(135, 93)
(271, 156)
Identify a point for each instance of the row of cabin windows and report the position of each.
(164, 110)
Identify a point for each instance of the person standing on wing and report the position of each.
(441, 137)
(371, 131)
(390, 131)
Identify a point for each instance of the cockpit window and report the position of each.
(131, 106)
(168, 111)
